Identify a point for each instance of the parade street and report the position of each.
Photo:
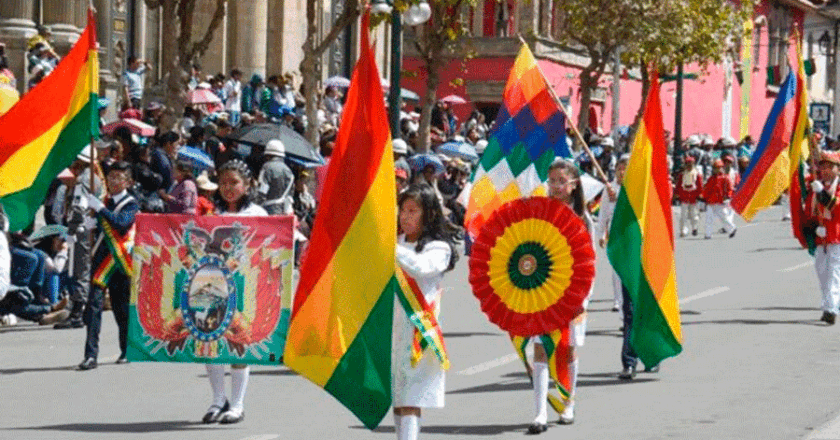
(757, 364)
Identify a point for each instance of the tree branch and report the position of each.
(185, 30)
(201, 46)
(348, 16)
(152, 4)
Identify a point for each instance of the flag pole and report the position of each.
(92, 184)
(577, 134)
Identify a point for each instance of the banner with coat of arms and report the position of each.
(214, 289)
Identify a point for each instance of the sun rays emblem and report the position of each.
(220, 291)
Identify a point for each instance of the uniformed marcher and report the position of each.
(822, 215)
(276, 181)
(689, 189)
(718, 192)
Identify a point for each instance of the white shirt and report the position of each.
(233, 92)
(5, 265)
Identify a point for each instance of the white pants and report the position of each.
(723, 213)
(827, 263)
(689, 211)
(616, 282)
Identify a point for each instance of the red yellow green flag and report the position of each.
(45, 131)
(340, 331)
(641, 246)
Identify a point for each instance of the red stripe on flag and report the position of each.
(361, 142)
(659, 165)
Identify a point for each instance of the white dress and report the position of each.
(421, 386)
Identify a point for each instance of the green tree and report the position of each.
(439, 41)
(177, 26)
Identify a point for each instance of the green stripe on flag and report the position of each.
(492, 154)
(22, 205)
(651, 337)
(362, 379)
(543, 163)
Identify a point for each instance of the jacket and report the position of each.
(718, 189)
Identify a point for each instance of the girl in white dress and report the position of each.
(563, 185)
(425, 250)
(234, 183)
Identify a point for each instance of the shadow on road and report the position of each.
(469, 335)
(614, 333)
(790, 248)
(519, 385)
(813, 322)
(462, 430)
(24, 328)
(784, 309)
(139, 427)
(283, 372)
(36, 370)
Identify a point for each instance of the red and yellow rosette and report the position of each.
(532, 266)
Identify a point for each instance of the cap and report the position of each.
(727, 141)
(399, 172)
(400, 147)
(693, 140)
(717, 163)
(275, 147)
(480, 146)
(707, 140)
(607, 142)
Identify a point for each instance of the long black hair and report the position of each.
(244, 172)
(578, 203)
(435, 225)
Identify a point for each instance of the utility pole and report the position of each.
(396, 73)
(678, 119)
(616, 93)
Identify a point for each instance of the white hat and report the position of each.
(693, 140)
(85, 155)
(203, 182)
(400, 147)
(727, 141)
(275, 147)
(480, 146)
(707, 140)
(607, 142)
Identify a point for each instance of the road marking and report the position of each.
(482, 367)
(797, 267)
(830, 430)
(705, 294)
(263, 437)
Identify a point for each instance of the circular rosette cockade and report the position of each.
(532, 266)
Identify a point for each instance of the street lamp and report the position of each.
(415, 15)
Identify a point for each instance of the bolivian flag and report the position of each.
(45, 131)
(340, 331)
(641, 245)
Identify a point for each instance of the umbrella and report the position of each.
(453, 99)
(203, 96)
(8, 98)
(337, 81)
(48, 230)
(421, 161)
(296, 145)
(409, 95)
(197, 158)
(459, 149)
(136, 126)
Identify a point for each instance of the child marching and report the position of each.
(717, 193)
(689, 189)
(822, 214)
(425, 251)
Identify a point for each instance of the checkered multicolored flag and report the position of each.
(529, 132)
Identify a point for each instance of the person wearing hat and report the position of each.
(822, 217)
(728, 146)
(80, 223)
(206, 190)
(400, 152)
(276, 181)
(607, 159)
(717, 193)
(689, 189)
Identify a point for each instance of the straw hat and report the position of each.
(203, 183)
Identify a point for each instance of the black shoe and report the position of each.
(694, 232)
(627, 374)
(653, 369)
(732, 234)
(69, 323)
(828, 318)
(537, 428)
(87, 364)
(214, 412)
(229, 418)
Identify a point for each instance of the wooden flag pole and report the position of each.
(559, 103)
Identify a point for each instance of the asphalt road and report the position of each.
(757, 364)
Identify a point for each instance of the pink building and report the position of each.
(713, 103)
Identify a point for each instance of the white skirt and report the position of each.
(577, 332)
(422, 386)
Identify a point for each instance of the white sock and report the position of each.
(541, 392)
(573, 371)
(216, 374)
(238, 386)
(409, 428)
(397, 423)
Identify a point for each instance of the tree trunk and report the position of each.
(586, 86)
(309, 71)
(171, 69)
(429, 98)
(645, 90)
